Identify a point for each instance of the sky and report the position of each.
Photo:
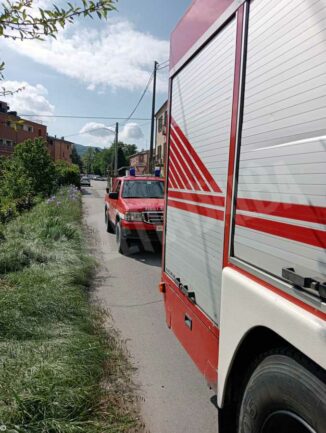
(95, 68)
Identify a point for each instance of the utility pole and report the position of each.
(116, 140)
(151, 147)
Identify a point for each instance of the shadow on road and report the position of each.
(86, 191)
(151, 256)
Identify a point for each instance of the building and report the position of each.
(15, 130)
(160, 135)
(60, 149)
(140, 161)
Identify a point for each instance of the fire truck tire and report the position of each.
(121, 241)
(105, 215)
(286, 393)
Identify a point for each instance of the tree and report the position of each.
(30, 171)
(128, 149)
(22, 19)
(76, 159)
(88, 159)
(67, 174)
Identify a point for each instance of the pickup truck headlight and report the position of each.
(134, 216)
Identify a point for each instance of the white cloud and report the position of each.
(30, 100)
(118, 56)
(101, 135)
(131, 132)
(97, 130)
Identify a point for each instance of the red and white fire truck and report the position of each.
(244, 263)
(133, 210)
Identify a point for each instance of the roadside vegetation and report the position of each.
(60, 371)
(101, 161)
(29, 176)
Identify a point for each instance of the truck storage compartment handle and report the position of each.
(188, 321)
(185, 290)
(308, 284)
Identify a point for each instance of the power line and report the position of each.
(126, 119)
(141, 97)
(163, 67)
(84, 117)
(162, 63)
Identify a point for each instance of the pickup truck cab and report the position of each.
(134, 210)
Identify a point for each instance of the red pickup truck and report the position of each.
(134, 210)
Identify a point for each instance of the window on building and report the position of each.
(160, 123)
(9, 143)
(159, 152)
(40, 132)
(165, 117)
(141, 158)
(1, 142)
(28, 128)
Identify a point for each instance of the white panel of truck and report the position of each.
(201, 115)
(283, 146)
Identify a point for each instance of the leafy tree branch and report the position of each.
(21, 20)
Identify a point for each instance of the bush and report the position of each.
(67, 174)
(29, 174)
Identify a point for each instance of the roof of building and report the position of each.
(143, 152)
(162, 107)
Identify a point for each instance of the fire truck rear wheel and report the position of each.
(121, 241)
(286, 393)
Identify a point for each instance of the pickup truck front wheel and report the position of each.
(121, 241)
(109, 227)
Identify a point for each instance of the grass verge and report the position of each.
(60, 372)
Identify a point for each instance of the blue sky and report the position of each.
(95, 68)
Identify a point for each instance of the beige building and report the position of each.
(59, 149)
(161, 134)
(140, 161)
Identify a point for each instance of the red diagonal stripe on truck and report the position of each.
(190, 162)
(198, 198)
(184, 166)
(174, 171)
(196, 158)
(316, 238)
(199, 210)
(172, 182)
(314, 214)
(181, 173)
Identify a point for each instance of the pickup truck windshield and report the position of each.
(143, 189)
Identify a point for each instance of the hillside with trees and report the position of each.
(101, 161)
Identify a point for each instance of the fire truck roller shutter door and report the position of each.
(198, 159)
(281, 213)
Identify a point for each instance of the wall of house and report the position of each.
(160, 139)
(12, 133)
(60, 149)
(140, 161)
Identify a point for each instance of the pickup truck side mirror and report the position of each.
(114, 195)
(107, 190)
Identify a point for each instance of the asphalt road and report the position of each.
(175, 397)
